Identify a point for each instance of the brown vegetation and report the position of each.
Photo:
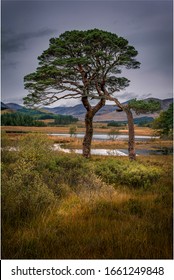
(58, 206)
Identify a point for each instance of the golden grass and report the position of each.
(15, 132)
(97, 220)
(102, 228)
(80, 128)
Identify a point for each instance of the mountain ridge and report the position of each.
(106, 113)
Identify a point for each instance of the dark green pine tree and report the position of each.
(164, 123)
(81, 65)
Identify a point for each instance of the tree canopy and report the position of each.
(80, 64)
(144, 106)
(165, 122)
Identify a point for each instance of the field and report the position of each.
(62, 206)
(98, 128)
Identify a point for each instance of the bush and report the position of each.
(37, 149)
(74, 171)
(24, 194)
(129, 173)
(38, 177)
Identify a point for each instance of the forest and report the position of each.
(23, 119)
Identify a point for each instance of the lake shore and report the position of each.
(16, 132)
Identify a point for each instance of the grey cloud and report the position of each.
(12, 42)
(144, 96)
(126, 95)
(13, 99)
(9, 64)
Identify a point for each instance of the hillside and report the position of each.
(14, 106)
(4, 106)
(107, 113)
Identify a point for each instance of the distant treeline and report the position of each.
(59, 119)
(144, 121)
(23, 119)
(18, 119)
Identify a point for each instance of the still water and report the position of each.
(115, 152)
(106, 136)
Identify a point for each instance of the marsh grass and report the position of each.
(58, 206)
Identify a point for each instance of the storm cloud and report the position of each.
(16, 42)
(27, 27)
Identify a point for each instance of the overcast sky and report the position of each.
(27, 27)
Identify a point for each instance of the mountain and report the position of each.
(79, 110)
(4, 106)
(14, 106)
(107, 113)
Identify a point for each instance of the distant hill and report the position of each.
(79, 110)
(4, 106)
(14, 106)
(107, 113)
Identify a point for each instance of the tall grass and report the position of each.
(58, 206)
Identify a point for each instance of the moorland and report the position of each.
(63, 206)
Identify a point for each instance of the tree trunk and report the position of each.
(88, 134)
(91, 111)
(131, 142)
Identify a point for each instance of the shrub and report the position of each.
(129, 173)
(24, 194)
(74, 171)
(37, 149)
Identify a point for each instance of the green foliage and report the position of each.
(28, 117)
(132, 174)
(33, 178)
(74, 61)
(144, 106)
(144, 121)
(165, 122)
(75, 172)
(24, 193)
(31, 112)
(46, 117)
(63, 120)
(116, 124)
(19, 119)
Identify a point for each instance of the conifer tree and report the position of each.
(81, 65)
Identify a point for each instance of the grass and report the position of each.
(16, 132)
(59, 206)
(80, 128)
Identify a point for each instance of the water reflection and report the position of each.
(106, 136)
(115, 152)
